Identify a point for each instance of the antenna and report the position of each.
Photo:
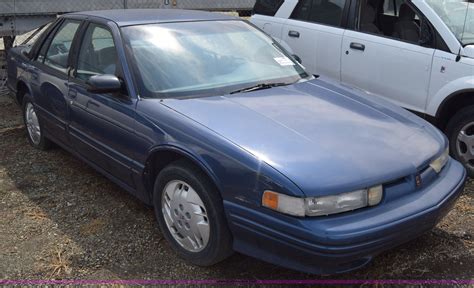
(465, 19)
(458, 57)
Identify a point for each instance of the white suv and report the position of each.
(418, 54)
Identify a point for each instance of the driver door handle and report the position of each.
(357, 46)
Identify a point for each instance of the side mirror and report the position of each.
(297, 58)
(104, 84)
(25, 53)
(468, 51)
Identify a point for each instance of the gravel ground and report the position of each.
(59, 219)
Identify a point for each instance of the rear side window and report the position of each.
(58, 51)
(267, 7)
(302, 10)
(327, 12)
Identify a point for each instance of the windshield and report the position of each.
(206, 58)
(458, 15)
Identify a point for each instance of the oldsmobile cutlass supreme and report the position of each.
(235, 145)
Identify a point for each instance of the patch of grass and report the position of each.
(36, 214)
(59, 264)
(93, 227)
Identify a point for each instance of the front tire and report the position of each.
(34, 129)
(460, 131)
(190, 214)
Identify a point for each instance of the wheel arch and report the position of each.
(161, 156)
(453, 103)
(21, 89)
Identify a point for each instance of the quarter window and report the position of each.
(58, 51)
(328, 12)
(97, 54)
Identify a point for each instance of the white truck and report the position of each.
(418, 54)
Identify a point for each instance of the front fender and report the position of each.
(451, 88)
(196, 158)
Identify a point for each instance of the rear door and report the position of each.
(265, 17)
(380, 62)
(49, 80)
(315, 31)
(102, 125)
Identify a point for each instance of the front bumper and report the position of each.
(344, 242)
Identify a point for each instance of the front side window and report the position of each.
(328, 12)
(392, 7)
(398, 19)
(97, 54)
(206, 58)
(58, 51)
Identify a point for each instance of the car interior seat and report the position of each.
(107, 60)
(406, 27)
(367, 19)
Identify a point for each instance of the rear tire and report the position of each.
(460, 131)
(34, 129)
(191, 215)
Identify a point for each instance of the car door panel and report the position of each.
(318, 45)
(49, 83)
(315, 33)
(100, 132)
(102, 125)
(392, 69)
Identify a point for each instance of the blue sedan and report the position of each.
(235, 145)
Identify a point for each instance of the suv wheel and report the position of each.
(460, 131)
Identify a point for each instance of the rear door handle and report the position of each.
(294, 34)
(357, 46)
(92, 104)
(72, 94)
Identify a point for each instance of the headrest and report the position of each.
(368, 15)
(406, 13)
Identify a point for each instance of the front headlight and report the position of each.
(439, 163)
(318, 206)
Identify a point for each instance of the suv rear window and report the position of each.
(267, 7)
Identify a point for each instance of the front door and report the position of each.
(102, 125)
(389, 58)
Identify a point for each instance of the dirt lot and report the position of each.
(59, 219)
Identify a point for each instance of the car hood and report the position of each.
(324, 138)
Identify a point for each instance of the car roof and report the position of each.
(126, 17)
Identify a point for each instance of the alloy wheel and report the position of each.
(465, 145)
(32, 124)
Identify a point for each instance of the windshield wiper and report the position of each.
(260, 86)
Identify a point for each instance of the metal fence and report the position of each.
(20, 16)
(64, 6)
